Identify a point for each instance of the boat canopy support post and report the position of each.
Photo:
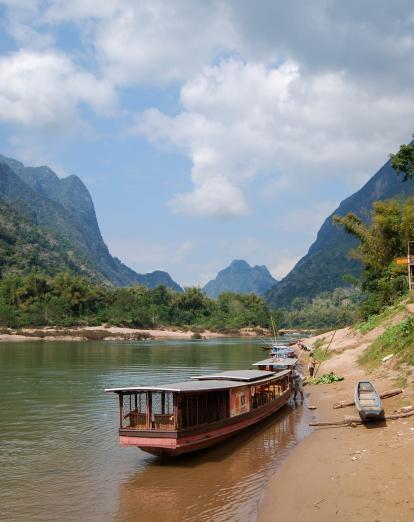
(121, 410)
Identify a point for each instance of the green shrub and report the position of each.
(397, 339)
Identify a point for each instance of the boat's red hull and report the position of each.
(176, 443)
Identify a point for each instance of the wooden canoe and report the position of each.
(368, 401)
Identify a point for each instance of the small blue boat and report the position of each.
(368, 401)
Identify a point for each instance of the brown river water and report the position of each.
(59, 454)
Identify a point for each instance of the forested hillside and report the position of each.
(328, 261)
(25, 247)
(64, 208)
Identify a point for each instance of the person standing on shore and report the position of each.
(312, 364)
(297, 384)
(303, 347)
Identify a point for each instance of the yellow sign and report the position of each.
(401, 261)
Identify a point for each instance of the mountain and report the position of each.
(65, 208)
(324, 266)
(157, 278)
(24, 245)
(241, 278)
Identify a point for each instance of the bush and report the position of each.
(397, 339)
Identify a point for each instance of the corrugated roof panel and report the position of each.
(277, 361)
(203, 385)
(236, 375)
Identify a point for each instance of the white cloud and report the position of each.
(302, 98)
(223, 130)
(240, 119)
(45, 89)
(284, 264)
(215, 196)
(80, 10)
(153, 42)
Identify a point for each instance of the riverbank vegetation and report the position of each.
(397, 342)
(385, 296)
(67, 300)
(381, 241)
(383, 284)
(327, 310)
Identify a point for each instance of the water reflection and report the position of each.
(59, 453)
(222, 483)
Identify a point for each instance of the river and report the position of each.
(59, 454)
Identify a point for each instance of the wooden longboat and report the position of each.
(187, 416)
(368, 401)
(276, 364)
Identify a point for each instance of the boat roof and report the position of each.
(201, 385)
(277, 361)
(236, 375)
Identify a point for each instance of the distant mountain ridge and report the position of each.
(327, 261)
(64, 207)
(241, 278)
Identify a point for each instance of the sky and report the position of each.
(208, 131)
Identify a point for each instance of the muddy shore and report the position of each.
(363, 473)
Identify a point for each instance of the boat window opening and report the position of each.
(148, 410)
(134, 410)
(162, 411)
(205, 408)
(265, 393)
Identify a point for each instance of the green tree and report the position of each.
(381, 241)
(403, 161)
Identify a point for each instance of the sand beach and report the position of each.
(362, 473)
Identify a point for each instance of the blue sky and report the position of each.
(207, 131)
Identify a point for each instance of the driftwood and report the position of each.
(404, 409)
(333, 423)
(353, 419)
(384, 395)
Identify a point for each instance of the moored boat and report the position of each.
(187, 416)
(276, 364)
(282, 351)
(368, 401)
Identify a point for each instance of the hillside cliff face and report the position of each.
(65, 208)
(24, 245)
(324, 266)
(241, 278)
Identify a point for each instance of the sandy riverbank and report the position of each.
(342, 473)
(115, 333)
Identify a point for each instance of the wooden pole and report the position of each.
(121, 409)
(273, 327)
(326, 351)
(175, 409)
(149, 410)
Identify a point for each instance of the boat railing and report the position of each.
(147, 411)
